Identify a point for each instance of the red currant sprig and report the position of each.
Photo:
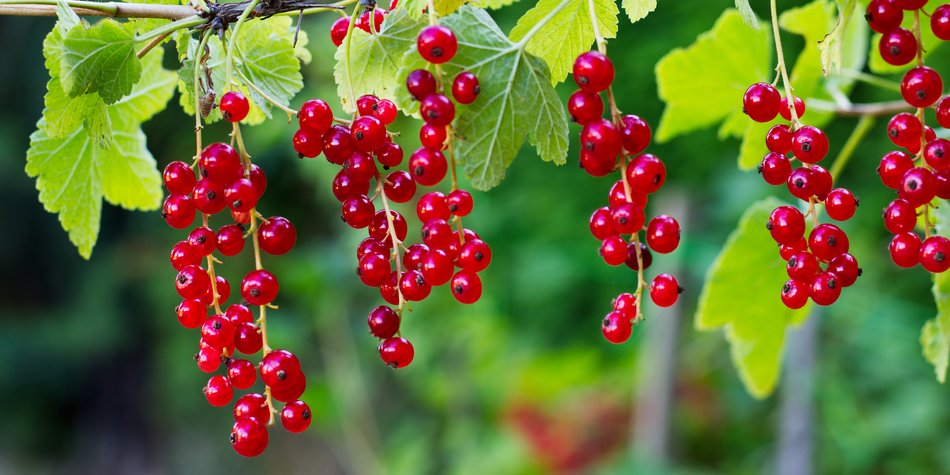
(922, 173)
(602, 142)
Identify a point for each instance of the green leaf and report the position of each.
(369, 64)
(935, 335)
(748, 16)
(411, 8)
(100, 59)
(495, 4)
(742, 296)
(517, 100)
(831, 45)
(567, 31)
(150, 96)
(447, 7)
(265, 54)
(638, 9)
(703, 83)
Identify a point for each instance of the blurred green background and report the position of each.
(96, 376)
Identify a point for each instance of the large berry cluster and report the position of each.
(225, 182)
(819, 266)
(920, 172)
(618, 225)
(446, 255)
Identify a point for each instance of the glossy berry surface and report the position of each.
(396, 352)
(465, 88)
(234, 106)
(761, 102)
(437, 44)
(664, 291)
(616, 327)
(593, 71)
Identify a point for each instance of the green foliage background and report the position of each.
(96, 376)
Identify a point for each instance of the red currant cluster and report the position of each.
(370, 21)
(602, 142)
(920, 172)
(820, 266)
(226, 182)
(402, 274)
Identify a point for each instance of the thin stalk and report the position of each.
(847, 151)
(232, 44)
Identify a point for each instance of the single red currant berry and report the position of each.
(389, 155)
(827, 241)
(601, 224)
(465, 88)
(338, 30)
(459, 202)
(413, 257)
(379, 227)
(646, 173)
(433, 136)
(883, 16)
(383, 322)
(360, 166)
(466, 287)
(789, 250)
(437, 109)
(259, 287)
(184, 254)
(315, 115)
(277, 367)
(239, 314)
(258, 179)
(437, 267)
(295, 417)
(905, 249)
(252, 406)
(898, 46)
(191, 313)
(217, 332)
(784, 108)
(218, 391)
(220, 162)
(230, 239)
(761, 102)
(614, 250)
(921, 86)
(904, 129)
(626, 303)
(935, 254)
(910, 4)
(208, 359)
(810, 144)
(943, 184)
(585, 107)
(396, 352)
(192, 282)
(437, 44)
(646, 257)
(900, 216)
(940, 22)
(337, 145)
(474, 256)
(178, 211)
(937, 154)
(208, 196)
(241, 374)
(436, 233)
(413, 286)
(616, 327)
(893, 167)
(786, 224)
(840, 204)
(821, 182)
(803, 266)
(371, 246)
(179, 179)
(428, 167)
(241, 196)
(234, 106)
(399, 186)
(249, 437)
(775, 168)
(801, 183)
(277, 235)
(943, 112)
(593, 71)
(358, 211)
(918, 186)
(779, 139)
(373, 269)
(664, 291)
(366, 104)
(601, 138)
(635, 134)
(596, 165)
(370, 22)
(248, 339)
(845, 266)
(308, 143)
(421, 84)
(296, 384)
(825, 289)
(663, 234)
(432, 205)
(368, 133)
(795, 294)
(627, 218)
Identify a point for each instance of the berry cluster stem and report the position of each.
(197, 92)
(395, 241)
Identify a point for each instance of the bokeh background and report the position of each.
(96, 376)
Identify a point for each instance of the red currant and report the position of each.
(218, 391)
(810, 144)
(234, 106)
(921, 86)
(786, 224)
(663, 234)
(840, 204)
(616, 327)
(421, 84)
(259, 287)
(785, 112)
(775, 168)
(249, 437)
(437, 44)
(277, 235)
(898, 46)
(465, 88)
(466, 287)
(179, 179)
(585, 107)
(295, 417)
(593, 71)
(664, 291)
(396, 352)
(383, 322)
(761, 102)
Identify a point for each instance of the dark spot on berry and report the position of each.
(768, 225)
(216, 325)
(832, 283)
(281, 374)
(921, 94)
(912, 185)
(477, 90)
(623, 220)
(418, 171)
(939, 257)
(453, 207)
(895, 50)
(479, 256)
(786, 288)
(358, 135)
(237, 203)
(201, 239)
(458, 289)
(582, 80)
(792, 262)
(759, 169)
(255, 292)
(436, 52)
(832, 241)
(806, 146)
(210, 195)
(860, 272)
(799, 183)
(305, 414)
(182, 279)
(679, 289)
(420, 280)
(893, 133)
(233, 438)
(196, 356)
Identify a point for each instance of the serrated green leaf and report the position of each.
(747, 303)
(369, 63)
(567, 31)
(150, 96)
(935, 335)
(65, 114)
(411, 8)
(517, 100)
(748, 16)
(703, 83)
(100, 59)
(877, 64)
(638, 9)
(264, 53)
(447, 7)
(187, 47)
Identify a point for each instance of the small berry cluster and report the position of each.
(920, 172)
(602, 142)
(225, 182)
(402, 274)
(370, 21)
(820, 266)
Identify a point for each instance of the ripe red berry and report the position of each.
(635, 134)
(414, 286)
(905, 249)
(786, 224)
(202, 240)
(825, 289)
(601, 138)
(898, 46)
(428, 167)
(593, 71)
(614, 250)
(786, 113)
(883, 16)
(935, 254)
(775, 168)
(338, 30)
(370, 22)
(249, 437)
(277, 235)
(436, 44)
(192, 282)
(626, 303)
(432, 205)
(230, 239)
(466, 287)
(360, 166)
(664, 291)
(943, 112)
(840, 204)
(940, 22)
(779, 139)
(921, 86)
(827, 241)
(474, 256)
(465, 88)
(242, 374)
(616, 327)
(234, 106)
(459, 202)
(389, 155)
(220, 162)
(358, 211)
(810, 144)
(420, 83)
(367, 133)
(900, 216)
(308, 143)
(437, 267)
(892, 168)
(845, 266)
(178, 211)
(585, 107)
(795, 294)
(399, 186)
(278, 369)
(937, 154)
(315, 115)
(248, 339)
(259, 287)
(646, 173)
(240, 195)
(373, 269)
(761, 102)
(910, 4)
(802, 266)
(904, 130)
(337, 145)
(627, 218)
(386, 111)
(645, 256)
(217, 332)
(383, 322)
(295, 417)
(191, 313)
(601, 224)
(179, 179)
(252, 406)
(208, 196)
(218, 391)
(437, 109)
(396, 352)
(663, 234)
(918, 186)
